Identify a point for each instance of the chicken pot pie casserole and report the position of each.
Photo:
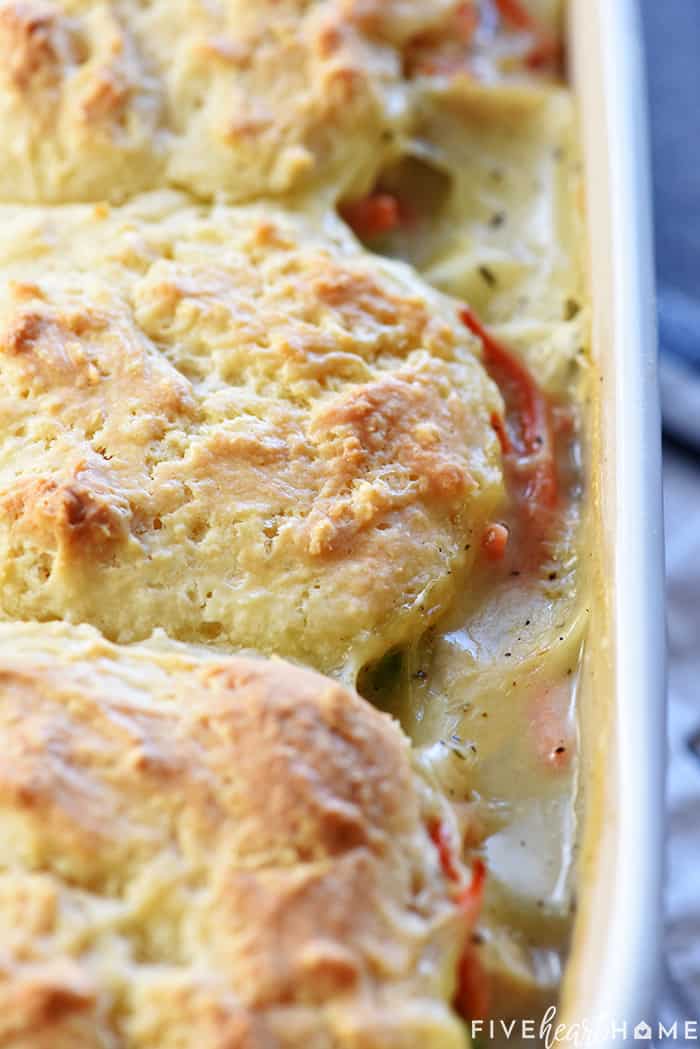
(293, 428)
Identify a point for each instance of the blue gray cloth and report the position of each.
(672, 32)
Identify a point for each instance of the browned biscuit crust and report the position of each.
(214, 852)
(235, 425)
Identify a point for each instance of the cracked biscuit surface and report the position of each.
(235, 425)
(201, 850)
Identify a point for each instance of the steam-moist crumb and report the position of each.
(237, 426)
(211, 851)
(100, 99)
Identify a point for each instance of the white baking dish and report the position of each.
(613, 971)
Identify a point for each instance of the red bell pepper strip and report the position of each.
(471, 897)
(440, 838)
(516, 14)
(547, 47)
(531, 455)
(472, 994)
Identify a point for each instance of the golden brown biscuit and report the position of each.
(237, 426)
(102, 98)
(211, 851)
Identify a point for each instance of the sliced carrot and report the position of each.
(531, 459)
(466, 22)
(447, 52)
(425, 53)
(547, 50)
(372, 215)
(495, 541)
(472, 998)
(551, 726)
